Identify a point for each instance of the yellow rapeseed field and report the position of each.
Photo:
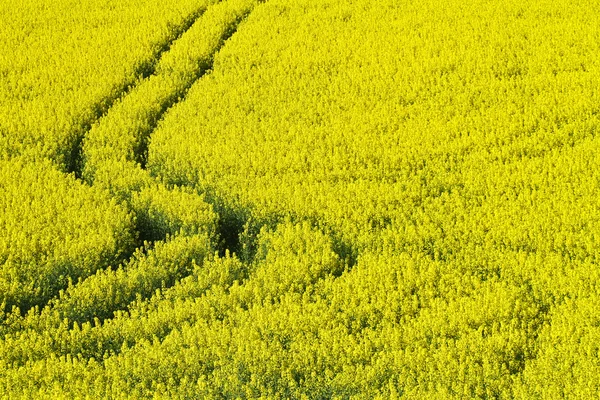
(300, 199)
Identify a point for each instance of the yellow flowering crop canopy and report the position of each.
(300, 199)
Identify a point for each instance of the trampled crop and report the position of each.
(300, 199)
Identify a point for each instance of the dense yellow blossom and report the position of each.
(329, 199)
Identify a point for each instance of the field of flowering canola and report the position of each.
(303, 199)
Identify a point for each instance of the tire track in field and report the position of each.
(145, 69)
(232, 226)
(47, 318)
(180, 95)
(201, 41)
(123, 133)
